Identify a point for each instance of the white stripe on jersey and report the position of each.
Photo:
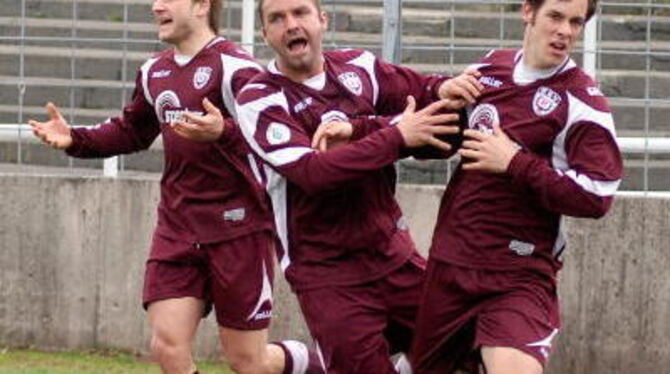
(600, 188)
(145, 79)
(230, 66)
(248, 120)
(254, 168)
(276, 188)
(367, 61)
(579, 111)
(286, 156)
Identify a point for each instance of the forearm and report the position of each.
(564, 193)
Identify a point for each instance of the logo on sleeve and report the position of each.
(352, 82)
(483, 117)
(545, 101)
(278, 133)
(201, 77)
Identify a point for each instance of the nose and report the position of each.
(565, 29)
(157, 6)
(291, 22)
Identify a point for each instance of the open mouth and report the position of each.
(163, 22)
(297, 44)
(559, 46)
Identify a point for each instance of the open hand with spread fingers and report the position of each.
(205, 128)
(487, 152)
(55, 132)
(423, 127)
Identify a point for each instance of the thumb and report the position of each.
(498, 132)
(411, 105)
(53, 112)
(209, 107)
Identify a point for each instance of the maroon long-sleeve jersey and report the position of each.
(209, 192)
(335, 211)
(569, 164)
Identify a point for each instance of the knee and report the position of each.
(166, 349)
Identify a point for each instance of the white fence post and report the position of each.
(591, 46)
(392, 31)
(248, 19)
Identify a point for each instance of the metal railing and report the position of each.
(126, 35)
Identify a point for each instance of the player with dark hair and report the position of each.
(214, 240)
(347, 251)
(540, 144)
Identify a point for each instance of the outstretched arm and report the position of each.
(55, 132)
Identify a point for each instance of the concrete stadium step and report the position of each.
(106, 64)
(467, 20)
(423, 48)
(464, 22)
(78, 116)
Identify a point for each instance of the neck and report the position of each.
(301, 74)
(196, 41)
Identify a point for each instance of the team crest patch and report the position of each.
(201, 77)
(352, 82)
(483, 117)
(545, 101)
(278, 133)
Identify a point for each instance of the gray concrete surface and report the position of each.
(74, 245)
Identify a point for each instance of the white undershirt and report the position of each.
(182, 60)
(524, 74)
(317, 82)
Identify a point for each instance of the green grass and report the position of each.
(99, 362)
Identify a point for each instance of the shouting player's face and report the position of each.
(551, 31)
(177, 19)
(294, 29)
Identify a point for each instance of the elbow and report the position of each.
(597, 207)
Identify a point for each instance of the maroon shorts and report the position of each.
(465, 309)
(358, 327)
(235, 276)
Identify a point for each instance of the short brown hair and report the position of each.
(590, 11)
(214, 14)
(317, 3)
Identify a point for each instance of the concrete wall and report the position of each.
(74, 245)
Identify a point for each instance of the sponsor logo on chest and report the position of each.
(201, 77)
(352, 82)
(483, 117)
(168, 108)
(545, 101)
